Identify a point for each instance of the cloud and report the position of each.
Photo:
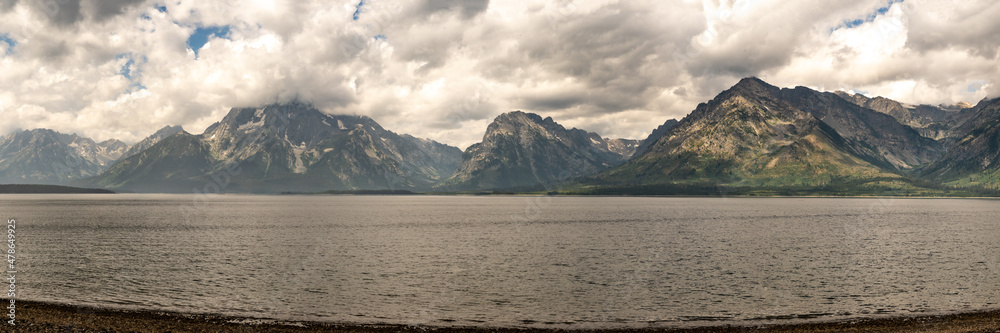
(6, 5)
(880, 56)
(468, 8)
(443, 69)
(102, 10)
(62, 13)
(965, 25)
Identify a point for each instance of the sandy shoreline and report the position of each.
(49, 317)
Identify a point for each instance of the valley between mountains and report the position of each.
(752, 139)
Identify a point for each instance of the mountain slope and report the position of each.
(149, 141)
(974, 158)
(178, 163)
(522, 149)
(750, 135)
(43, 156)
(935, 122)
(289, 147)
(658, 133)
(878, 138)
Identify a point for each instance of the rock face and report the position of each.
(43, 156)
(935, 122)
(874, 136)
(289, 147)
(974, 156)
(658, 133)
(967, 134)
(755, 134)
(522, 150)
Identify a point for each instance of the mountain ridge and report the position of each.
(974, 158)
(521, 150)
(44, 156)
(753, 134)
(288, 147)
(930, 121)
(149, 141)
(759, 136)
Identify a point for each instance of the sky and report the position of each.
(444, 69)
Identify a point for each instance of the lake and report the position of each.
(566, 262)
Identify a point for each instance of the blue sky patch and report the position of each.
(131, 70)
(975, 86)
(357, 10)
(126, 70)
(871, 17)
(201, 35)
(380, 37)
(11, 43)
(161, 8)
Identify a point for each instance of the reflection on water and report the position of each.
(535, 261)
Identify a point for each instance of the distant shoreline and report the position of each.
(604, 195)
(514, 194)
(59, 189)
(48, 189)
(46, 317)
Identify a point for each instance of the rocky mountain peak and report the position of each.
(518, 117)
(753, 86)
(168, 131)
(523, 149)
(149, 141)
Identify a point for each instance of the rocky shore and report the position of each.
(48, 317)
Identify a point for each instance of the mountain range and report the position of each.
(768, 140)
(754, 138)
(973, 159)
(43, 156)
(757, 135)
(276, 148)
(935, 122)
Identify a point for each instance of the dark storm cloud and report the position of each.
(622, 55)
(432, 46)
(59, 12)
(50, 50)
(468, 8)
(66, 13)
(6, 5)
(553, 101)
(740, 49)
(105, 9)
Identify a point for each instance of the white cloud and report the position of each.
(443, 69)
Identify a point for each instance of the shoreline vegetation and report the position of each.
(35, 316)
(642, 191)
(48, 189)
(909, 188)
(686, 190)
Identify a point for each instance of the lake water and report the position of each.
(568, 262)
